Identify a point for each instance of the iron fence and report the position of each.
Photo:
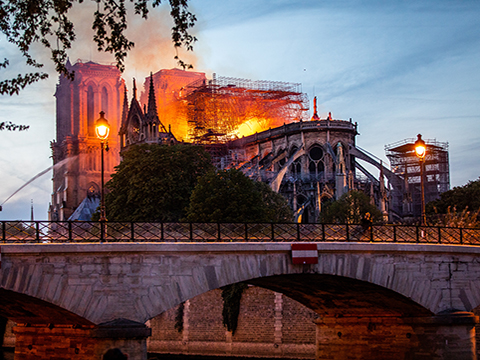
(94, 231)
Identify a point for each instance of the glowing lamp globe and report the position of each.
(102, 128)
(420, 147)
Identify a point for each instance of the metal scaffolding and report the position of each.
(406, 199)
(226, 108)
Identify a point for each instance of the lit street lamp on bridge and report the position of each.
(102, 129)
(421, 151)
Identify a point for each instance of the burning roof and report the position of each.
(221, 109)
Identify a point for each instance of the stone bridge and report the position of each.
(374, 300)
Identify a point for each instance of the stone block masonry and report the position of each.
(52, 342)
(270, 325)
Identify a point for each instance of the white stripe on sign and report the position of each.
(304, 253)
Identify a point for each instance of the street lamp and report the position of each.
(421, 151)
(102, 129)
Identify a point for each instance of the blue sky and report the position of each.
(398, 68)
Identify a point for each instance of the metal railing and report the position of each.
(92, 231)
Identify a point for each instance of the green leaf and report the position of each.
(48, 22)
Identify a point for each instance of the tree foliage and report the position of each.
(179, 317)
(454, 218)
(154, 182)
(275, 206)
(48, 22)
(232, 296)
(457, 207)
(460, 197)
(230, 196)
(350, 209)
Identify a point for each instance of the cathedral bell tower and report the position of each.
(76, 150)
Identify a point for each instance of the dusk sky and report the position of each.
(397, 68)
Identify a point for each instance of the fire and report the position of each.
(206, 111)
(249, 127)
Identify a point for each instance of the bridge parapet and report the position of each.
(92, 231)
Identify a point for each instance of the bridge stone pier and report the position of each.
(374, 300)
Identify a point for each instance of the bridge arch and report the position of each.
(325, 293)
(26, 309)
(93, 280)
(414, 274)
(339, 296)
(102, 283)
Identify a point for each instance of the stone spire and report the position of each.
(340, 177)
(134, 89)
(134, 103)
(151, 114)
(135, 119)
(152, 101)
(315, 114)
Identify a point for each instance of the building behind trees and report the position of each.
(259, 127)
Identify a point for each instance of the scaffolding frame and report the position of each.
(216, 109)
(406, 201)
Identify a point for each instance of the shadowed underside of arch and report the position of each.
(331, 295)
(25, 309)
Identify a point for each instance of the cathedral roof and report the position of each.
(135, 108)
(85, 210)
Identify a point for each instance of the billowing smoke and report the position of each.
(153, 48)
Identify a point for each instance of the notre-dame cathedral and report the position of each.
(259, 127)
(307, 160)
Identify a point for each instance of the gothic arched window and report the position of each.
(90, 111)
(320, 167)
(90, 162)
(316, 168)
(296, 167)
(104, 100)
(93, 190)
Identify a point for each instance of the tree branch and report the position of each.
(7, 125)
(26, 22)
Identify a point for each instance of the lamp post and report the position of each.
(102, 129)
(421, 151)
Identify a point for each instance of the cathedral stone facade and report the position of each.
(76, 150)
(307, 161)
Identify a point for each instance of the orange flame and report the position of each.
(199, 112)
